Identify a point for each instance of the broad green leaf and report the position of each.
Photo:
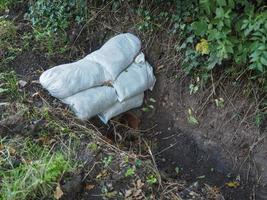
(205, 5)
(219, 13)
(221, 2)
(200, 28)
(231, 3)
(263, 60)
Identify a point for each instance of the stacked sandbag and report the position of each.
(83, 84)
(101, 66)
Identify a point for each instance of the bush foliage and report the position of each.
(228, 31)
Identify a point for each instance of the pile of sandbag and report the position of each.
(107, 82)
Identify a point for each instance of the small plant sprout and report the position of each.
(151, 180)
(191, 119)
(130, 172)
(219, 102)
(93, 146)
(107, 161)
(149, 105)
(193, 88)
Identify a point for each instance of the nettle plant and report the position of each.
(232, 31)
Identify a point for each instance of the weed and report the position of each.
(8, 85)
(37, 173)
(8, 41)
(6, 4)
(130, 172)
(191, 119)
(149, 105)
(50, 20)
(219, 102)
(93, 146)
(151, 180)
(107, 161)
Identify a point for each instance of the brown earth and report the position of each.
(224, 146)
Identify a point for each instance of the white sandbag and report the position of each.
(137, 78)
(120, 107)
(91, 102)
(117, 54)
(67, 79)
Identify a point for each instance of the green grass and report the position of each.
(37, 173)
(8, 85)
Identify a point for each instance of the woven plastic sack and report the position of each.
(67, 79)
(95, 69)
(91, 102)
(137, 78)
(121, 107)
(117, 54)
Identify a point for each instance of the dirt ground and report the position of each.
(224, 146)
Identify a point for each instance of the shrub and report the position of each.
(232, 31)
(50, 20)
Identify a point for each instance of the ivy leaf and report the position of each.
(263, 61)
(219, 13)
(200, 27)
(205, 5)
(221, 2)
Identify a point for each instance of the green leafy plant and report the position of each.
(107, 161)
(8, 41)
(50, 20)
(151, 180)
(8, 85)
(35, 176)
(222, 32)
(191, 118)
(130, 171)
(5, 4)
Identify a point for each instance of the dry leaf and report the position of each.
(58, 192)
(2, 147)
(137, 193)
(233, 184)
(103, 173)
(139, 184)
(89, 187)
(160, 67)
(132, 120)
(12, 151)
(128, 193)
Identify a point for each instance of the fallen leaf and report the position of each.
(58, 192)
(139, 184)
(89, 187)
(2, 147)
(12, 151)
(160, 67)
(22, 83)
(137, 193)
(132, 120)
(128, 193)
(233, 184)
(103, 173)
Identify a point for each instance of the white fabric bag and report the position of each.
(121, 107)
(91, 102)
(67, 79)
(116, 54)
(137, 78)
(101, 66)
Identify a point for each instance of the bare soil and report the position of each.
(224, 146)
